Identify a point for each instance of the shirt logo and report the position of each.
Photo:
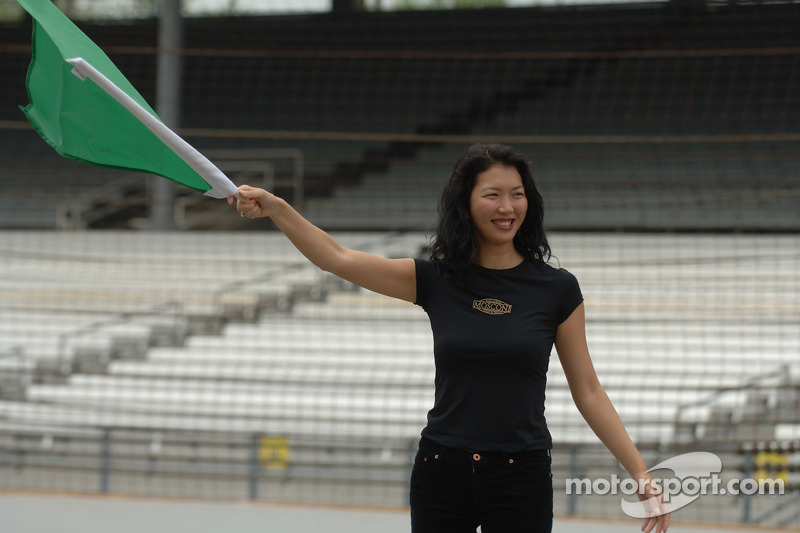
(492, 306)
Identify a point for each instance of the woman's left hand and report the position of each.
(655, 508)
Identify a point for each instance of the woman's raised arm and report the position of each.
(391, 277)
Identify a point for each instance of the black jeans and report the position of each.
(455, 491)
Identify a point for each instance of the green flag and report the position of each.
(83, 106)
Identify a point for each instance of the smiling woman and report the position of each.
(497, 207)
(491, 193)
(496, 309)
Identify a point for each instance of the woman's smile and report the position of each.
(498, 206)
(505, 223)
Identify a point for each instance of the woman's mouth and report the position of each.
(503, 223)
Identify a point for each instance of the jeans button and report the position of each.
(476, 457)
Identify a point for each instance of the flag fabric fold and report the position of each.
(85, 108)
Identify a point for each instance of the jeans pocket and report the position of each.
(536, 467)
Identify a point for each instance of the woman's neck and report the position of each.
(499, 259)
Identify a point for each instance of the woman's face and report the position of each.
(497, 205)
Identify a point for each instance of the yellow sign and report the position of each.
(772, 465)
(273, 453)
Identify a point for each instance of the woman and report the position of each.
(496, 309)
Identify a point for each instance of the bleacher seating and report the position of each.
(332, 81)
(356, 339)
(165, 363)
(185, 353)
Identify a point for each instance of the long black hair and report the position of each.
(454, 245)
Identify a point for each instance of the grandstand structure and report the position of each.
(219, 364)
(191, 365)
(641, 117)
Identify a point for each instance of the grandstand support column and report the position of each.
(168, 102)
(105, 462)
(254, 468)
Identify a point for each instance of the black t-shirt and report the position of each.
(492, 341)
